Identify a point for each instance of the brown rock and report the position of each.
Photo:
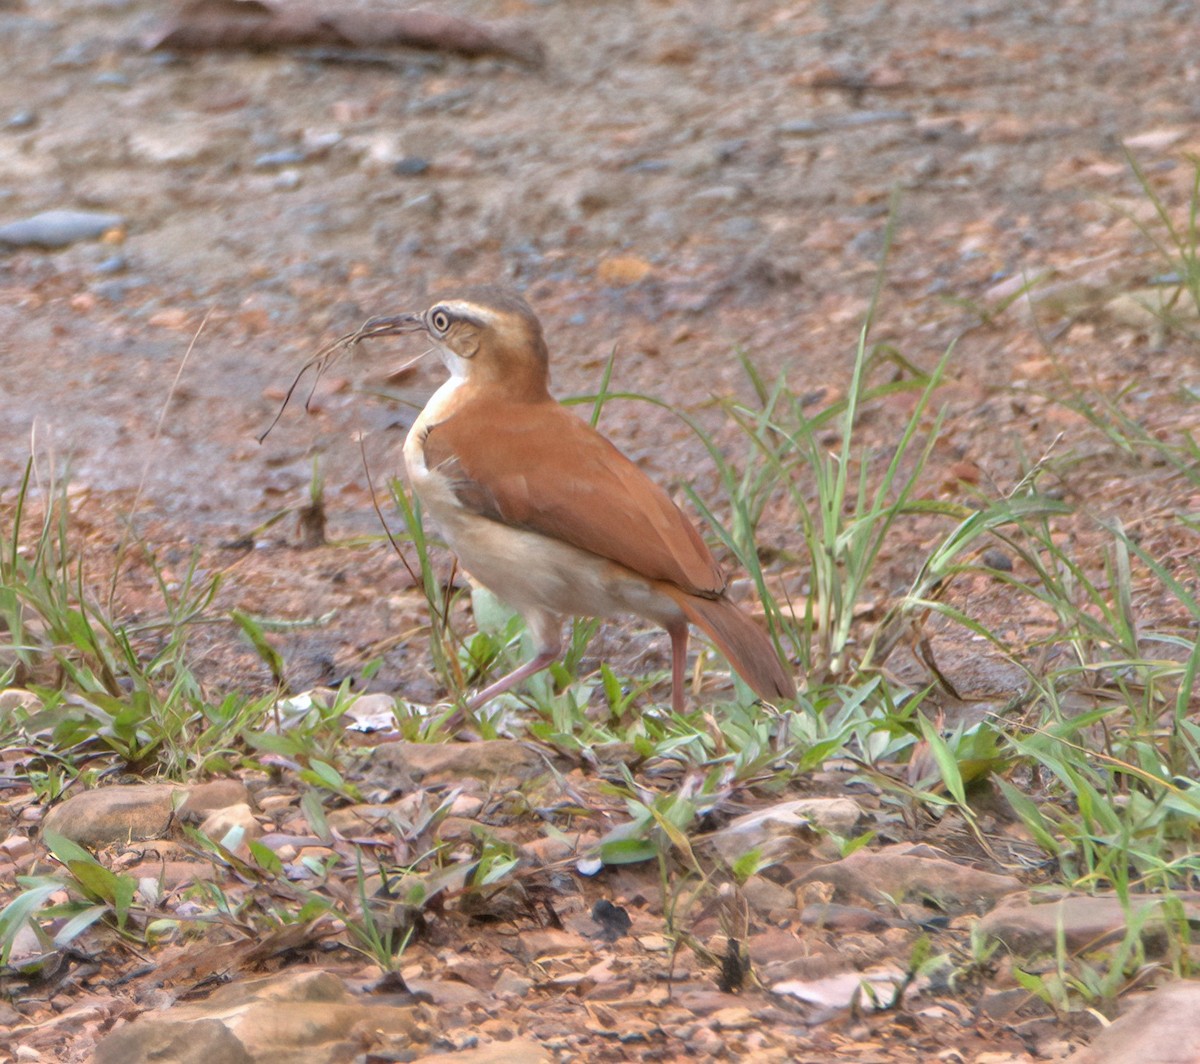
(215, 794)
(514, 1051)
(448, 993)
(220, 822)
(766, 897)
(139, 811)
(14, 698)
(498, 761)
(844, 918)
(1163, 1027)
(547, 942)
(304, 1017)
(156, 1038)
(172, 874)
(903, 872)
(358, 819)
(783, 830)
(121, 813)
(620, 271)
(1026, 923)
(549, 849)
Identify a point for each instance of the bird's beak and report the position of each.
(391, 326)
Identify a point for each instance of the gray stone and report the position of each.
(57, 229)
(410, 166)
(23, 119)
(272, 160)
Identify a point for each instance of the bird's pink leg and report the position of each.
(547, 632)
(678, 631)
(542, 659)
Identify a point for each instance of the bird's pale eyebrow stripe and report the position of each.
(471, 312)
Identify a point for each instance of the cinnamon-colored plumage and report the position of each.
(549, 515)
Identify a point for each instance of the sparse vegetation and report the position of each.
(1092, 753)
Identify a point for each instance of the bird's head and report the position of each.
(487, 335)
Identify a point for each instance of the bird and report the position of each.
(545, 512)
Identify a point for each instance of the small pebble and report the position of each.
(76, 55)
(57, 229)
(21, 120)
(113, 264)
(273, 159)
(410, 166)
(800, 127)
(997, 559)
(116, 290)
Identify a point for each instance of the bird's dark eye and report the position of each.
(439, 319)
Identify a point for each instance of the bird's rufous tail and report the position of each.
(745, 645)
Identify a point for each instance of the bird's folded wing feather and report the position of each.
(538, 467)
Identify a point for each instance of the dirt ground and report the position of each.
(681, 181)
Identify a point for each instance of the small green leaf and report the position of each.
(946, 763)
(747, 865)
(314, 813)
(78, 924)
(66, 850)
(266, 858)
(253, 631)
(627, 851)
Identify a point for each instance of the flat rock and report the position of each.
(135, 812)
(121, 813)
(846, 918)
(495, 761)
(765, 896)
(786, 829)
(174, 146)
(832, 993)
(181, 1042)
(305, 1017)
(215, 794)
(917, 872)
(1163, 1027)
(14, 698)
(515, 1051)
(1028, 923)
(57, 229)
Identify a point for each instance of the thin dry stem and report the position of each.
(328, 356)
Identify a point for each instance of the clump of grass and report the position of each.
(106, 686)
(1176, 242)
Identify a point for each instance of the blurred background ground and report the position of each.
(679, 182)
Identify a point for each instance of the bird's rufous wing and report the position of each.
(537, 466)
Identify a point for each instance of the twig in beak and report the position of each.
(327, 356)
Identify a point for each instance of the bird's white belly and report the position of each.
(529, 571)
